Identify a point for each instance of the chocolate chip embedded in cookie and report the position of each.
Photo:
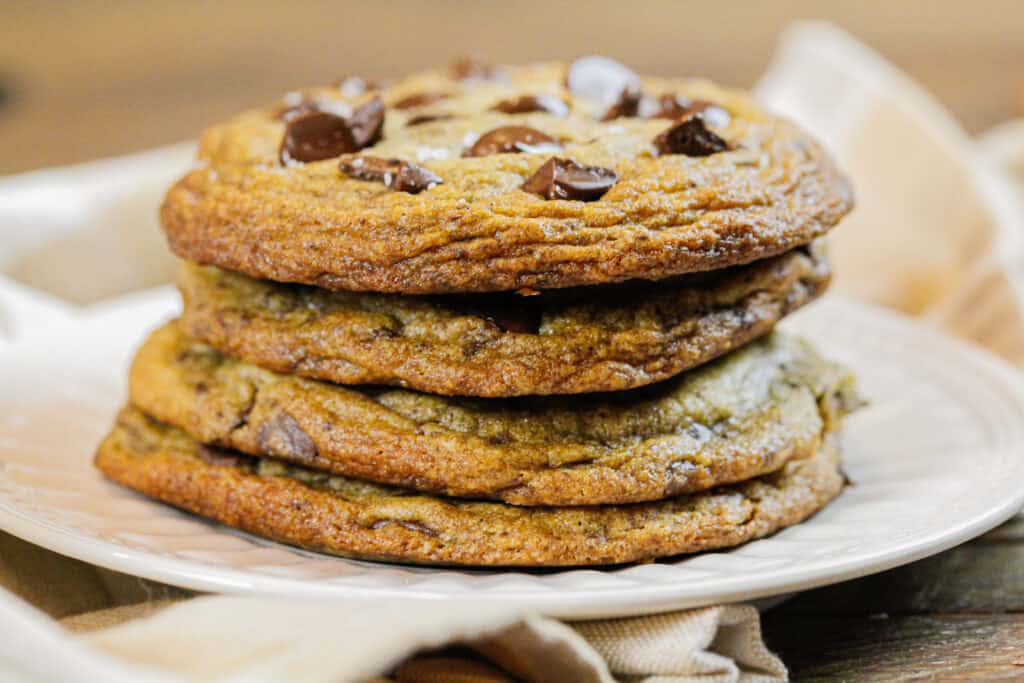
(313, 134)
(356, 519)
(606, 83)
(628, 104)
(512, 139)
(316, 135)
(367, 122)
(571, 341)
(469, 68)
(420, 99)
(691, 137)
(394, 173)
(528, 104)
(765, 188)
(566, 179)
(673, 106)
(685, 435)
(420, 119)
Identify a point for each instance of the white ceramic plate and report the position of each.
(936, 459)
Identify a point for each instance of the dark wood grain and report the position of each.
(958, 615)
(1012, 531)
(935, 647)
(977, 578)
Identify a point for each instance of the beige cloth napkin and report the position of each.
(937, 233)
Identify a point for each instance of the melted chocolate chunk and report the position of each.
(313, 134)
(468, 68)
(283, 436)
(427, 118)
(367, 122)
(565, 179)
(678, 477)
(519, 321)
(511, 139)
(420, 99)
(395, 173)
(601, 79)
(678, 107)
(532, 103)
(221, 457)
(628, 104)
(316, 135)
(691, 137)
(508, 311)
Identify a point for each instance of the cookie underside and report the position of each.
(353, 518)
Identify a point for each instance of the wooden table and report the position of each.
(956, 616)
(89, 79)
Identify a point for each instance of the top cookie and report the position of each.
(473, 179)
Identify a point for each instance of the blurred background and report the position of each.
(86, 79)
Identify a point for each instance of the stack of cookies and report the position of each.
(512, 316)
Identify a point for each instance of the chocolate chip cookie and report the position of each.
(568, 341)
(353, 518)
(739, 417)
(543, 176)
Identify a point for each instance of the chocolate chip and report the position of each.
(427, 118)
(674, 107)
(601, 79)
(469, 68)
(526, 321)
(511, 139)
(316, 135)
(691, 137)
(678, 477)
(284, 437)
(420, 99)
(508, 311)
(628, 104)
(221, 457)
(395, 173)
(677, 106)
(313, 134)
(532, 103)
(367, 123)
(565, 179)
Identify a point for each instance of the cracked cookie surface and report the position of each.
(557, 342)
(353, 518)
(741, 416)
(474, 228)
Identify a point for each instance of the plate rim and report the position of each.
(600, 602)
(581, 605)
